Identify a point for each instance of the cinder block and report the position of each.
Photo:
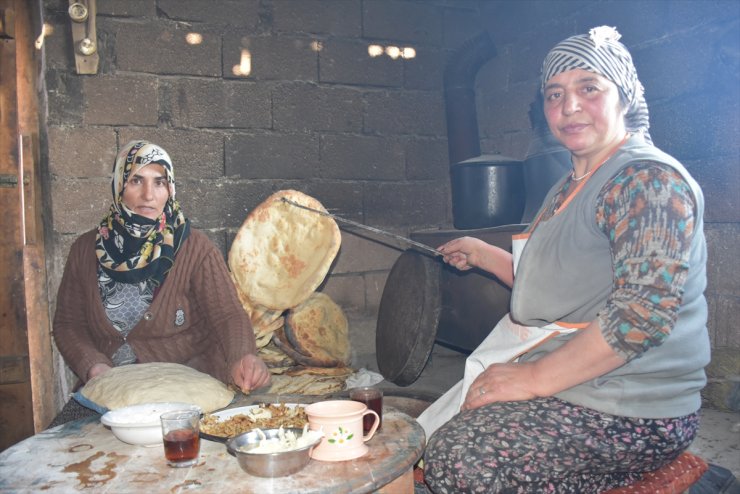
(218, 237)
(365, 251)
(58, 51)
(427, 159)
(161, 47)
(59, 249)
(529, 57)
(310, 108)
(81, 151)
(236, 199)
(194, 154)
(405, 112)
(494, 76)
(120, 100)
(78, 205)
(348, 62)
(66, 103)
(723, 261)
(722, 323)
(348, 291)
(332, 17)
(460, 22)
(343, 198)
(664, 74)
(426, 70)
(272, 57)
(374, 286)
(219, 104)
(243, 13)
(722, 373)
(128, 8)
(414, 204)
(719, 178)
(512, 145)
(697, 125)
(283, 156)
(362, 157)
(419, 22)
(507, 111)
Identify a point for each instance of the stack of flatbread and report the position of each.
(279, 257)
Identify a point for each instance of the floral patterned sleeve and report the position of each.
(647, 212)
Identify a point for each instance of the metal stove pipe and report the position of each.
(463, 140)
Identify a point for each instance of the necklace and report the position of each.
(578, 179)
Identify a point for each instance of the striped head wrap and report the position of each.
(600, 52)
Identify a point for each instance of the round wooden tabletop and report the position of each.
(85, 455)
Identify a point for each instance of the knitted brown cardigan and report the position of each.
(195, 319)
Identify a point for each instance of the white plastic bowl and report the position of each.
(140, 424)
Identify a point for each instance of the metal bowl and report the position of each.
(269, 464)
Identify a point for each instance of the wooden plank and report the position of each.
(38, 325)
(13, 369)
(16, 411)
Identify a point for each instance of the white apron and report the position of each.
(506, 342)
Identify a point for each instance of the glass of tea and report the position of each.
(181, 435)
(373, 398)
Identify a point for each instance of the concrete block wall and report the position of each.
(367, 136)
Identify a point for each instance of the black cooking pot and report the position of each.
(487, 191)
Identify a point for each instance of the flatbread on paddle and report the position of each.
(280, 341)
(157, 382)
(282, 253)
(318, 329)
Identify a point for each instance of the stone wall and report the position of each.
(367, 135)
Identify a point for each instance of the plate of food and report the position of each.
(222, 425)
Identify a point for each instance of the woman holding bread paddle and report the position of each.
(593, 378)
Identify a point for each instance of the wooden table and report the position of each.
(86, 456)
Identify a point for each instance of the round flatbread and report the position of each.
(319, 371)
(282, 253)
(318, 329)
(274, 358)
(306, 385)
(154, 383)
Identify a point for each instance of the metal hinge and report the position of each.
(9, 181)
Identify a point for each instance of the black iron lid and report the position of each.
(408, 317)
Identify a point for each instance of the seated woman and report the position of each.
(594, 376)
(146, 287)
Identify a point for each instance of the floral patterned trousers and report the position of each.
(547, 445)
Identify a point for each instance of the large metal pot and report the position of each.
(487, 191)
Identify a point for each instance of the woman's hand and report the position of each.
(463, 253)
(502, 382)
(250, 373)
(97, 369)
(468, 252)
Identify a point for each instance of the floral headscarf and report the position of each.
(130, 247)
(600, 52)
